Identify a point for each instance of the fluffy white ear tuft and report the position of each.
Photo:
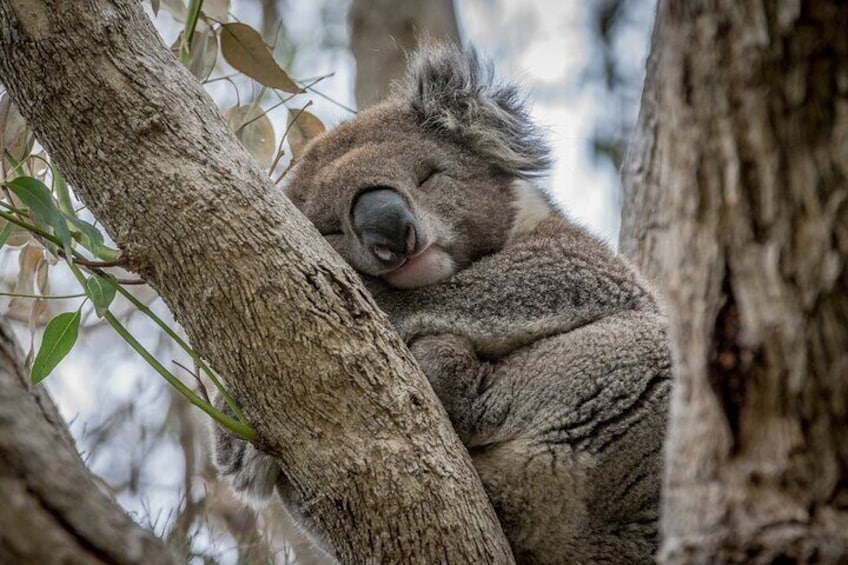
(531, 207)
(453, 92)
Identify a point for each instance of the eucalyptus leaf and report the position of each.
(302, 128)
(176, 8)
(16, 138)
(244, 49)
(6, 232)
(63, 193)
(254, 129)
(101, 291)
(38, 198)
(91, 238)
(217, 10)
(204, 52)
(59, 338)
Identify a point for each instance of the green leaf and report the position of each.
(59, 338)
(63, 193)
(91, 238)
(38, 198)
(101, 291)
(6, 232)
(188, 31)
(243, 48)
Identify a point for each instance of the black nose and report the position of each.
(386, 225)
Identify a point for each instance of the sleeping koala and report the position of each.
(546, 349)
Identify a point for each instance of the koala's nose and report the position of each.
(386, 225)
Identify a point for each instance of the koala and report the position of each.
(547, 350)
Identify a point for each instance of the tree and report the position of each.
(53, 511)
(384, 32)
(260, 294)
(736, 205)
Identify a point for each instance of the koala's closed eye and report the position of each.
(426, 180)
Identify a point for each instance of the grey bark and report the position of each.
(53, 510)
(384, 32)
(332, 392)
(736, 204)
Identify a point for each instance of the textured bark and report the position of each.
(384, 32)
(332, 392)
(737, 205)
(53, 510)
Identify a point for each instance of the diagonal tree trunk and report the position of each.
(737, 205)
(331, 391)
(53, 510)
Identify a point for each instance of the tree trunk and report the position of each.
(384, 32)
(53, 510)
(330, 389)
(736, 203)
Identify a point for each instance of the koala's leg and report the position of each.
(569, 442)
(456, 375)
(253, 474)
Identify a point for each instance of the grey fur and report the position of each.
(453, 92)
(547, 350)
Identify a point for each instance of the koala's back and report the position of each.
(570, 438)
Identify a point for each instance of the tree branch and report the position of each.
(53, 509)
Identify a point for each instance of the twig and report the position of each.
(284, 173)
(201, 388)
(328, 99)
(121, 261)
(129, 281)
(283, 137)
(44, 296)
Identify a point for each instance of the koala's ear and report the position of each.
(453, 92)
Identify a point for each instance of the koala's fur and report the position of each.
(547, 350)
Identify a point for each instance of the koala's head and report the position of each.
(441, 174)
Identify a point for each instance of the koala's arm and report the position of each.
(456, 375)
(533, 289)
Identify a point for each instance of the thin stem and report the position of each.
(15, 209)
(239, 428)
(29, 227)
(194, 7)
(194, 374)
(44, 296)
(330, 100)
(285, 172)
(143, 308)
(285, 134)
(121, 261)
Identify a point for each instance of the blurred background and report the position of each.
(581, 64)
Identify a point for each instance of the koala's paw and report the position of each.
(443, 356)
(450, 364)
(252, 473)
